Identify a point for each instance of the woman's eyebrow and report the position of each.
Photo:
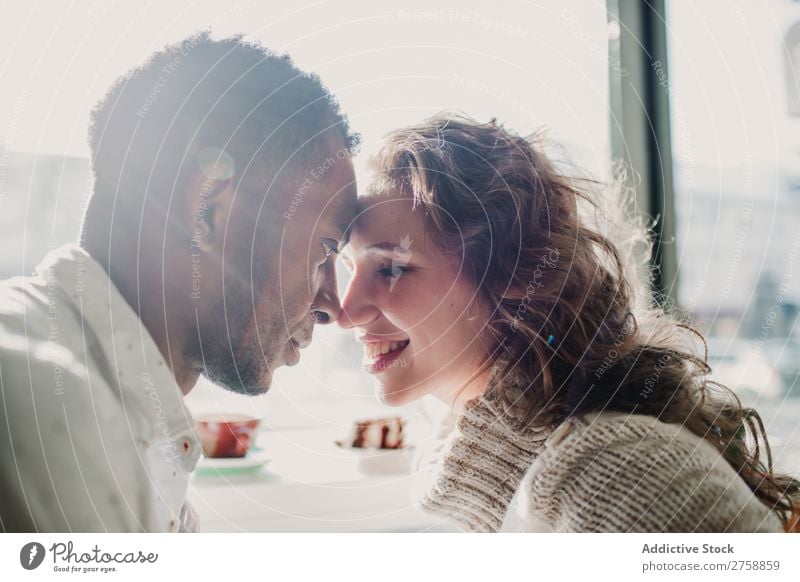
(382, 246)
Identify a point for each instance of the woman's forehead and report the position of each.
(386, 210)
(392, 197)
(388, 218)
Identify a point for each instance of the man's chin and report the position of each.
(251, 390)
(245, 386)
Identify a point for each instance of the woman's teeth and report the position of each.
(375, 349)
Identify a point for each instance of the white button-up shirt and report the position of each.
(94, 434)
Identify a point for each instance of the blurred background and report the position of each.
(701, 100)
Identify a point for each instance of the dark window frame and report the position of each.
(640, 126)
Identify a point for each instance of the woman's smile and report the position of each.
(380, 356)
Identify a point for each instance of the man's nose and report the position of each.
(326, 307)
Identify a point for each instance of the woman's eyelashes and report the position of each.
(393, 271)
(385, 270)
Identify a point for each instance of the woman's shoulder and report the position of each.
(609, 432)
(597, 445)
(611, 471)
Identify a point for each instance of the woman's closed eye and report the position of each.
(393, 271)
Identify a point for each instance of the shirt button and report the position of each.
(186, 446)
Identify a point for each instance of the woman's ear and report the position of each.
(208, 204)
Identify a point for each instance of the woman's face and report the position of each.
(422, 326)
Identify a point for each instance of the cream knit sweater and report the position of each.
(605, 472)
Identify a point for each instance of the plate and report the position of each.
(381, 461)
(252, 462)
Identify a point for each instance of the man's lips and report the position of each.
(302, 336)
(301, 342)
(297, 343)
(293, 357)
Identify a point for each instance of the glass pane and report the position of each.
(735, 105)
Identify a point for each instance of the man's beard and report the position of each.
(241, 374)
(229, 358)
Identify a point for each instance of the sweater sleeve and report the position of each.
(479, 467)
(628, 477)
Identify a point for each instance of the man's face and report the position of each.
(282, 280)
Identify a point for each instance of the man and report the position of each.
(223, 187)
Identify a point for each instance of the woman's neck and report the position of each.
(472, 388)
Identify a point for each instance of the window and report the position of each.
(734, 101)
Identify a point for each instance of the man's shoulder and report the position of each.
(25, 303)
(40, 348)
(31, 314)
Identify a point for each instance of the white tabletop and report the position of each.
(312, 485)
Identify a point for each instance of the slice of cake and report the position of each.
(379, 433)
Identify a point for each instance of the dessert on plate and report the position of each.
(378, 433)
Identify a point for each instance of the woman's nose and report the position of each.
(357, 309)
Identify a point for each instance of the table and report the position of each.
(309, 485)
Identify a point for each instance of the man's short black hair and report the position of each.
(200, 93)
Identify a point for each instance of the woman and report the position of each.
(485, 276)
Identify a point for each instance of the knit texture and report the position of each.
(478, 466)
(604, 472)
(615, 472)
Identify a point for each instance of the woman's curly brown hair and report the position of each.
(565, 272)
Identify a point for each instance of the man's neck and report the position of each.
(131, 280)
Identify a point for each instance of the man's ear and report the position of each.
(208, 204)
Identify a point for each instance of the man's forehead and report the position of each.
(327, 191)
(342, 190)
(346, 209)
